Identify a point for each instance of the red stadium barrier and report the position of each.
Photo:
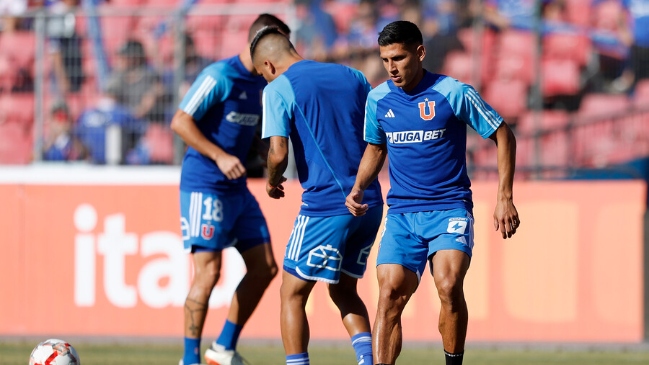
(95, 256)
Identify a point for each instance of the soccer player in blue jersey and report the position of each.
(320, 107)
(418, 120)
(217, 119)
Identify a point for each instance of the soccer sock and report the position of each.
(362, 344)
(192, 351)
(298, 359)
(229, 335)
(454, 359)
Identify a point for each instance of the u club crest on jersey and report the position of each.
(426, 109)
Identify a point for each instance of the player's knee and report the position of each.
(393, 296)
(341, 294)
(449, 290)
(263, 274)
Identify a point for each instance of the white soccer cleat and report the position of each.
(216, 355)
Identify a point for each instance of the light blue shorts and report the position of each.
(213, 222)
(409, 239)
(320, 248)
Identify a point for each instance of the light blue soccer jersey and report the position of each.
(425, 132)
(320, 107)
(225, 102)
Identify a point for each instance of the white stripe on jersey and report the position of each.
(196, 100)
(492, 112)
(474, 98)
(297, 237)
(195, 207)
(263, 114)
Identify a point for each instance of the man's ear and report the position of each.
(421, 52)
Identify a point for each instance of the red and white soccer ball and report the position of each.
(54, 352)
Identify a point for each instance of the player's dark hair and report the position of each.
(268, 20)
(264, 32)
(401, 31)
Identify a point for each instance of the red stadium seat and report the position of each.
(560, 77)
(578, 12)
(21, 46)
(17, 108)
(115, 31)
(15, 144)
(601, 105)
(607, 14)
(507, 97)
(159, 141)
(459, 65)
(547, 120)
(565, 46)
(207, 43)
(641, 95)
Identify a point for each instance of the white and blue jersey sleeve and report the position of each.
(372, 131)
(469, 107)
(212, 86)
(277, 98)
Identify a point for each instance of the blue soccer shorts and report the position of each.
(320, 248)
(409, 239)
(213, 222)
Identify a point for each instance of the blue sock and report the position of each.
(192, 351)
(362, 344)
(298, 359)
(229, 335)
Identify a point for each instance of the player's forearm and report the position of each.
(183, 125)
(370, 165)
(277, 159)
(506, 143)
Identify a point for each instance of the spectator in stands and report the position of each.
(10, 10)
(194, 63)
(136, 84)
(61, 144)
(439, 25)
(506, 14)
(65, 46)
(612, 39)
(316, 32)
(107, 113)
(638, 66)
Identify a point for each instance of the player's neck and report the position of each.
(245, 59)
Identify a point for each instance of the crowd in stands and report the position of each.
(588, 47)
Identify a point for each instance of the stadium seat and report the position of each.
(547, 120)
(159, 141)
(607, 14)
(235, 35)
(641, 95)
(17, 108)
(21, 46)
(208, 43)
(567, 46)
(514, 67)
(459, 65)
(560, 77)
(602, 105)
(578, 12)
(115, 31)
(15, 143)
(507, 97)
(555, 149)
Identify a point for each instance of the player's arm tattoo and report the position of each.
(277, 159)
(195, 312)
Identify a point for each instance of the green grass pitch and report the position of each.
(16, 352)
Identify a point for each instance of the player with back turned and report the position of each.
(418, 119)
(217, 119)
(320, 106)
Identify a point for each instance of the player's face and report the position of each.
(404, 64)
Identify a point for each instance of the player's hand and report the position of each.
(506, 218)
(353, 203)
(230, 166)
(275, 192)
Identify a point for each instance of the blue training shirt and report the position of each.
(225, 102)
(320, 107)
(425, 132)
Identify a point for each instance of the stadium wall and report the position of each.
(95, 251)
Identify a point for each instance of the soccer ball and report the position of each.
(54, 352)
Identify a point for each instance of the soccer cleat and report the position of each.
(216, 355)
